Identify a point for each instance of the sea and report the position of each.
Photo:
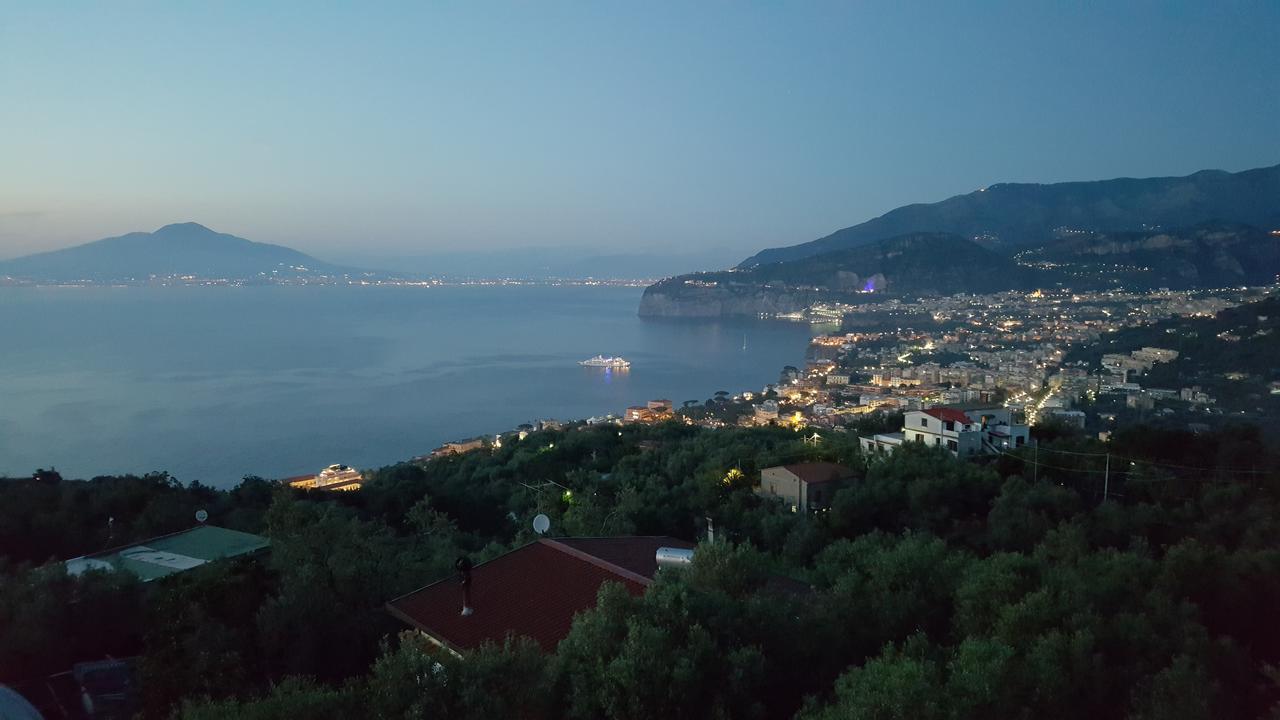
(216, 383)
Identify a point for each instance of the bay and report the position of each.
(214, 383)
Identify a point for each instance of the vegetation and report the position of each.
(1133, 579)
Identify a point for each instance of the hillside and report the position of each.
(929, 582)
(920, 263)
(1209, 255)
(184, 249)
(1235, 355)
(1016, 215)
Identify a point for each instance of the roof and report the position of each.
(949, 415)
(534, 591)
(169, 554)
(812, 473)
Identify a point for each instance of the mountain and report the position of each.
(915, 264)
(1016, 215)
(173, 250)
(1208, 255)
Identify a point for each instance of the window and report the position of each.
(937, 441)
(951, 425)
(952, 446)
(924, 422)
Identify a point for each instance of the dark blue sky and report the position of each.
(621, 126)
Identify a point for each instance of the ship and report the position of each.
(605, 362)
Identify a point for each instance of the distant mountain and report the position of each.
(1015, 215)
(173, 250)
(913, 264)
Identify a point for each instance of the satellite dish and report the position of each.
(541, 523)
(201, 516)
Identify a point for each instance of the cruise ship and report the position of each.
(606, 362)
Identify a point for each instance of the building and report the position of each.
(639, 413)
(662, 405)
(170, 554)
(340, 478)
(533, 591)
(1196, 396)
(805, 487)
(459, 447)
(1139, 401)
(766, 412)
(962, 432)
(1073, 418)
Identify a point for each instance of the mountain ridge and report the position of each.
(1016, 215)
(177, 249)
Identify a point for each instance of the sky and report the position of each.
(369, 129)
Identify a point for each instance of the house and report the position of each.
(170, 554)
(805, 487)
(963, 432)
(533, 591)
(766, 412)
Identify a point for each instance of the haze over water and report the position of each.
(212, 384)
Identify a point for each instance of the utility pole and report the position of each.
(1106, 479)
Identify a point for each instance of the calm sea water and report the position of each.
(212, 384)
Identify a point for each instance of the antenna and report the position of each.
(201, 516)
(541, 523)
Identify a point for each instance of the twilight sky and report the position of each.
(624, 126)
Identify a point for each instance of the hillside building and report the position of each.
(963, 432)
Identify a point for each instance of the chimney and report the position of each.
(464, 578)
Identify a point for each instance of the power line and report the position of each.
(1248, 471)
(1127, 473)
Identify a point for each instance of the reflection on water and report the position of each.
(216, 383)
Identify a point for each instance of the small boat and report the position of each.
(605, 362)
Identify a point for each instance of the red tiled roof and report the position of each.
(533, 591)
(819, 472)
(949, 414)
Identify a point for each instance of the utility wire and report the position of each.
(1248, 471)
(1091, 471)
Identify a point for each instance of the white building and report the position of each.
(963, 433)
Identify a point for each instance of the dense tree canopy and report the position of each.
(1137, 578)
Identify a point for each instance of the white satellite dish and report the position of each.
(201, 516)
(541, 523)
